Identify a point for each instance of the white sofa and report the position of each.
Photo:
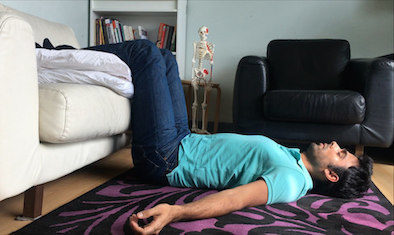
(49, 131)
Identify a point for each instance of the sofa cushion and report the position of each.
(338, 107)
(76, 112)
(307, 64)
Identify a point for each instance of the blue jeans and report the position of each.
(158, 112)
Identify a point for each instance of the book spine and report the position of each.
(166, 37)
(131, 32)
(125, 33)
(102, 41)
(123, 36)
(109, 31)
(163, 34)
(119, 27)
(169, 39)
(115, 31)
(173, 43)
(97, 39)
(158, 42)
(105, 34)
(142, 32)
(135, 33)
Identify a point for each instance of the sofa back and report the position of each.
(58, 34)
(307, 64)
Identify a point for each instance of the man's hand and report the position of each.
(163, 214)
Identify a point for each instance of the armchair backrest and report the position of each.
(307, 64)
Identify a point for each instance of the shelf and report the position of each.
(135, 13)
(147, 13)
(133, 6)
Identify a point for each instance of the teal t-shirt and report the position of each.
(223, 161)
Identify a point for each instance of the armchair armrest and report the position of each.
(249, 87)
(374, 79)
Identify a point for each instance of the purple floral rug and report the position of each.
(105, 210)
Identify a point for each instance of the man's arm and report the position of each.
(221, 203)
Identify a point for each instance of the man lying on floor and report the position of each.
(252, 170)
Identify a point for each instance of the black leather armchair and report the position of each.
(310, 90)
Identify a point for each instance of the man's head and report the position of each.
(337, 172)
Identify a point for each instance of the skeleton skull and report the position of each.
(203, 32)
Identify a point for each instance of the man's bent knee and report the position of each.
(144, 43)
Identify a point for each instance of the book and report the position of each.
(97, 33)
(143, 34)
(122, 31)
(131, 32)
(114, 31)
(104, 29)
(125, 33)
(169, 39)
(119, 28)
(101, 31)
(173, 41)
(163, 36)
(109, 30)
(166, 36)
(159, 34)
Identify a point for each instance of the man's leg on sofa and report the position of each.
(154, 132)
(176, 92)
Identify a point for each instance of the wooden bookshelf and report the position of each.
(148, 14)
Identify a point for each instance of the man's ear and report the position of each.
(331, 175)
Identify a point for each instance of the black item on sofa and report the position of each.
(310, 90)
(46, 44)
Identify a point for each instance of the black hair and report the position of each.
(353, 182)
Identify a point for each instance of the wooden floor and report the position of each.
(67, 188)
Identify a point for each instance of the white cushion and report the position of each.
(76, 112)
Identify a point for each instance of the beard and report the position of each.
(312, 155)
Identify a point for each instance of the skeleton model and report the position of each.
(203, 51)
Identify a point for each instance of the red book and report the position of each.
(115, 31)
(163, 35)
(158, 42)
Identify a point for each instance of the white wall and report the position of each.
(73, 13)
(240, 28)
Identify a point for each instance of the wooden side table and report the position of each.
(189, 100)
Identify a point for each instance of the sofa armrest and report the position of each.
(249, 87)
(374, 79)
(19, 106)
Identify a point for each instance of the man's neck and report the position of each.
(307, 164)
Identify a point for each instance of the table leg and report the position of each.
(206, 111)
(189, 100)
(218, 96)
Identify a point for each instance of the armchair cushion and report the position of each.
(307, 64)
(336, 107)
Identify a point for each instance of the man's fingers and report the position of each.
(160, 219)
(154, 227)
(134, 224)
(147, 213)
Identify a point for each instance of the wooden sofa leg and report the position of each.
(359, 150)
(32, 207)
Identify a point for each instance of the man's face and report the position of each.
(321, 155)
